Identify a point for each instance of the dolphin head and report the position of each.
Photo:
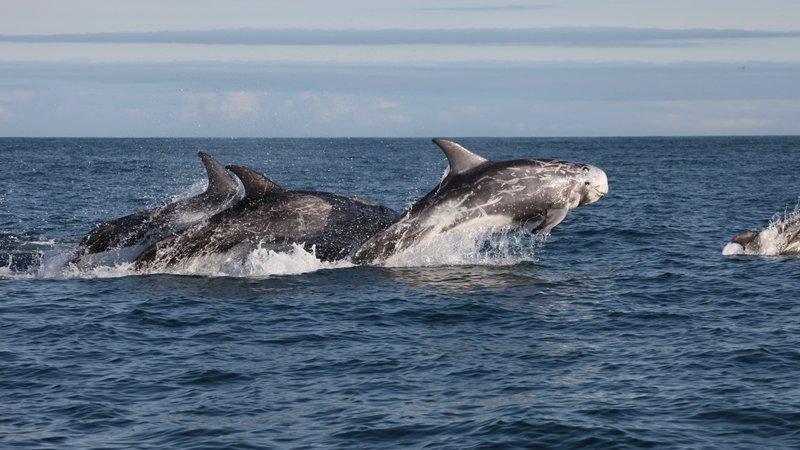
(592, 185)
(744, 241)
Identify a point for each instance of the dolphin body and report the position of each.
(270, 216)
(781, 238)
(477, 192)
(145, 227)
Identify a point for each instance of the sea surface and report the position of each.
(625, 328)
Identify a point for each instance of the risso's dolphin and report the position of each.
(477, 192)
(272, 217)
(145, 227)
(779, 238)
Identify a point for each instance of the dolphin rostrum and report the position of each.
(270, 216)
(476, 192)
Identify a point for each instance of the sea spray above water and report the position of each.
(257, 263)
(497, 246)
(494, 246)
(776, 239)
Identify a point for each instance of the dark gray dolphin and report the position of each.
(270, 216)
(779, 238)
(477, 193)
(146, 227)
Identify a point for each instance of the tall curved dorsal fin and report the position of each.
(460, 159)
(255, 183)
(219, 182)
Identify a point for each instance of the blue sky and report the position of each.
(414, 68)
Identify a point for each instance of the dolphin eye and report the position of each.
(587, 183)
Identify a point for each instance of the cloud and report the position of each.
(386, 104)
(238, 104)
(389, 84)
(561, 36)
(16, 95)
(5, 114)
(547, 99)
(486, 8)
(228, 106)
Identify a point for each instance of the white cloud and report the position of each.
(228, 106)
(386, 104)
(5, 114)
(16, 95)
(235, 105)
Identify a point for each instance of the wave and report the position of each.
(495, 246)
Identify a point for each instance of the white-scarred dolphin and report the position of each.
(145, 227)
(477, 192)
(272, 217)
(780, 238)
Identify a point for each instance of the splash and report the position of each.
(497, 245)
(491, 244)
(779, 238)
(259, 263)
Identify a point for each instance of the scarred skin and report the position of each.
(330, 224)
(513, 191)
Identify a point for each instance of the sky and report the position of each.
(308, 68)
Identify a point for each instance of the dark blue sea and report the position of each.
(626, 328)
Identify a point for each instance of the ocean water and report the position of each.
(625, 328)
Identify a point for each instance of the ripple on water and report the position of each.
(623, 329)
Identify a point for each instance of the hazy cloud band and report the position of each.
(537, 82)
(568, 36)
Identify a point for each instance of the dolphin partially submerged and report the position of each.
(780, 238)
(477, 192)
(270, 216)
(145, 227)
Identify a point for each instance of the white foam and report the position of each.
(261, 262)
(496, 245)
(258, 263)
(486, 241)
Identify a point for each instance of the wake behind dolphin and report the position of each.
(478, 193)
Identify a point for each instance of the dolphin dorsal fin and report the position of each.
(460, 159)
(255, 183)
(219, 182)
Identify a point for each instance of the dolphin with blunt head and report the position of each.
(780, 238)
(477, 193)
(272, 217)
(145, 227)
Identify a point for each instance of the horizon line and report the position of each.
(632, 136)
